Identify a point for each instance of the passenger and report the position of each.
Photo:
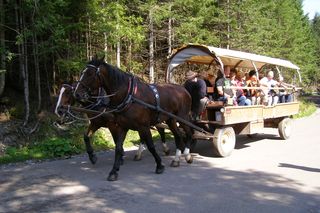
(222, 89)
(271, 97)
(209, 80)
(254, 94)
(198, 91)
(242, 100)
(284, 96)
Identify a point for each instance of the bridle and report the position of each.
(132, 88)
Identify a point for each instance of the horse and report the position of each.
(97, 120)
(138, 106)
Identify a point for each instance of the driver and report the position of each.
(198, 90)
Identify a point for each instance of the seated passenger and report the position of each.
(209, 80)
(242, 100)
(198, 91)
(222, 90)
(254, 94)
(270, 94)
(284, 95)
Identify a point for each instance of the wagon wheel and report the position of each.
(224, 141)
(285, 128)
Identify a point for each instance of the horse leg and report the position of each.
(177, 139)
(114, 130)
(146, 136)
(162, 134)
(188, 136)
(119, 137)
(86, 137)
(138, 155)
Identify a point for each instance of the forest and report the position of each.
(44, 43)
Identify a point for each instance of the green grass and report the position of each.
(306, 108)
(50, 145)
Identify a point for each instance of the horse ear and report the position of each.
(102, 58)
(95, 57)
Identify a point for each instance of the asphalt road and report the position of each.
(263, 174)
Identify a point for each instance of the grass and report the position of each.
(306, 108)
(50, 145)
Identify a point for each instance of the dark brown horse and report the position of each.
(97, 120)
(138, 106)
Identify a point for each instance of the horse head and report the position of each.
(65, 99)
(89, 81)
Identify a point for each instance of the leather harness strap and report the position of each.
(157, 97)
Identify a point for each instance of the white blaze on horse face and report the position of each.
(74, 93)
(59, 100)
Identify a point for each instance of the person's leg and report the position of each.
(254, 100)
(241, 100)
(281, 98)
(289, 98)
(258, 102)
(270, 99)
(275, 100)
(247, 102)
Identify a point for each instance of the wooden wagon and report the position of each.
(224, 122)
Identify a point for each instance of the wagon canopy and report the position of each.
(202, 54)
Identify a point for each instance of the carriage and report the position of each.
(223, 122)
(139, 105)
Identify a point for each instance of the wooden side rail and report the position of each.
(215, 104)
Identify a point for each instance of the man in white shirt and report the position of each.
(269, 82)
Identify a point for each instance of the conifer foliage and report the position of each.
(46, 42)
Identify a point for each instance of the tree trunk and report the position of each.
(105, 46)
(228, 23)
(36, 63)
(151, 48)
(22, 60)
(169, 33)
(2, 49)
(118, 54)
(129, 55)
(36, 67)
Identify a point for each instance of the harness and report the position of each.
(157, 97)
(132, 89)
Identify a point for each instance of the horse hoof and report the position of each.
(189, 159)
(137, 158)
(93, 159)
(113, 177)
(175, 163)
(167, 152)
(160, 169)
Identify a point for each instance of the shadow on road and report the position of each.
(77, 186)
(309, 169)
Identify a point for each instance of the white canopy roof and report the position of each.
(201, 54)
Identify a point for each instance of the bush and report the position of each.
(58, 147)
(306, 108)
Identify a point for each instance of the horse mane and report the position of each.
(116, 74)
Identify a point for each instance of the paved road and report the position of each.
(263, 174)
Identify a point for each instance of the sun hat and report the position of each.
(190, 75)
